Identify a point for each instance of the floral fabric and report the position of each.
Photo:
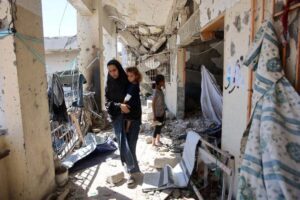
(270, 167)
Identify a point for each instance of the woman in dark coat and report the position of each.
(115, 92)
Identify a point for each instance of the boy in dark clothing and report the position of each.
(132, 98)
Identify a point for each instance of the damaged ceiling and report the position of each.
(154, 12)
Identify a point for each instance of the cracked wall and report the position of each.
(25, 108)
(236, 44)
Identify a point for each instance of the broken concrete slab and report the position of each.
(115, 177)
(154, 30)
(158, 44)
(180, 4)
(151, 41)
(143, 50)
(129, 39)
(144, 30)
(164, 159)
(145, 43)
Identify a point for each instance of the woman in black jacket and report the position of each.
(115, 92)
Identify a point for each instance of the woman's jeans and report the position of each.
(127, 142)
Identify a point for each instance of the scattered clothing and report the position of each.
(81, 81)
(57, 106)
(271, 144)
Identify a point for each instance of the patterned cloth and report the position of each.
(270, 167)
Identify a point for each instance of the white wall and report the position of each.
(171, 88)
(59, 61)
(235, 104)
(110, 49)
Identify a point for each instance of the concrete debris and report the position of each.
(115, 177)
(145, 42)
(164, 159)
(176, 193)
(143, 50)
(180, 4)
(158, 44)
(129, 39)
(163, 149)
(144, 30)
(148, 139)
(170, 116)
(154, 30)
(151, 41)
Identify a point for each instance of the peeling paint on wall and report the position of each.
(227, 27)
(208, 13)
(237, 23)
(232, 49)
(246, 18)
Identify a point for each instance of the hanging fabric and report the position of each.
(270, 148)
(211, 97)
(57, 106)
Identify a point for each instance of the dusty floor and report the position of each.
(90, 183)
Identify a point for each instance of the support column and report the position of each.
(24, 104)
(90, 39)
(181, 82)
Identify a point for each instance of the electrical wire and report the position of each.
(62, 17)
(203, 52)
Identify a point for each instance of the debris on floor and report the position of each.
(179, 176)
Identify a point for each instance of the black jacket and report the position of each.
(134, 102)
(115, 93)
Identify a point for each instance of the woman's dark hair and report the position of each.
(158, 79)
(136, 72)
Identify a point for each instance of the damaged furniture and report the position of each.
(206, 156)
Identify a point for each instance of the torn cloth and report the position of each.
(211, 97)
(270, 167)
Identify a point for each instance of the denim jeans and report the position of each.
(127, 142)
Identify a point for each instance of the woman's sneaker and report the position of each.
(130, 182)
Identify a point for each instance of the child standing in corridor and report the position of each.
(158, 107)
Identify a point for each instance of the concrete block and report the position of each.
(155, 30)
(158, 44)
(165, 158)
(149, 104)
(143, 50)
(148, 139)
(115, 177)
(129, 39)
(144, 30)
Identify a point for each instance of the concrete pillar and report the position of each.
(24, 105)
(90, 39)
(181, 61)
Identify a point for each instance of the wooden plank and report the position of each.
(208, 35)
(297, 86)
(204, 155)
(291, 8)
(263, 11)
(215, 24)
(196, 190)
(77, 126)
(250, 77)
